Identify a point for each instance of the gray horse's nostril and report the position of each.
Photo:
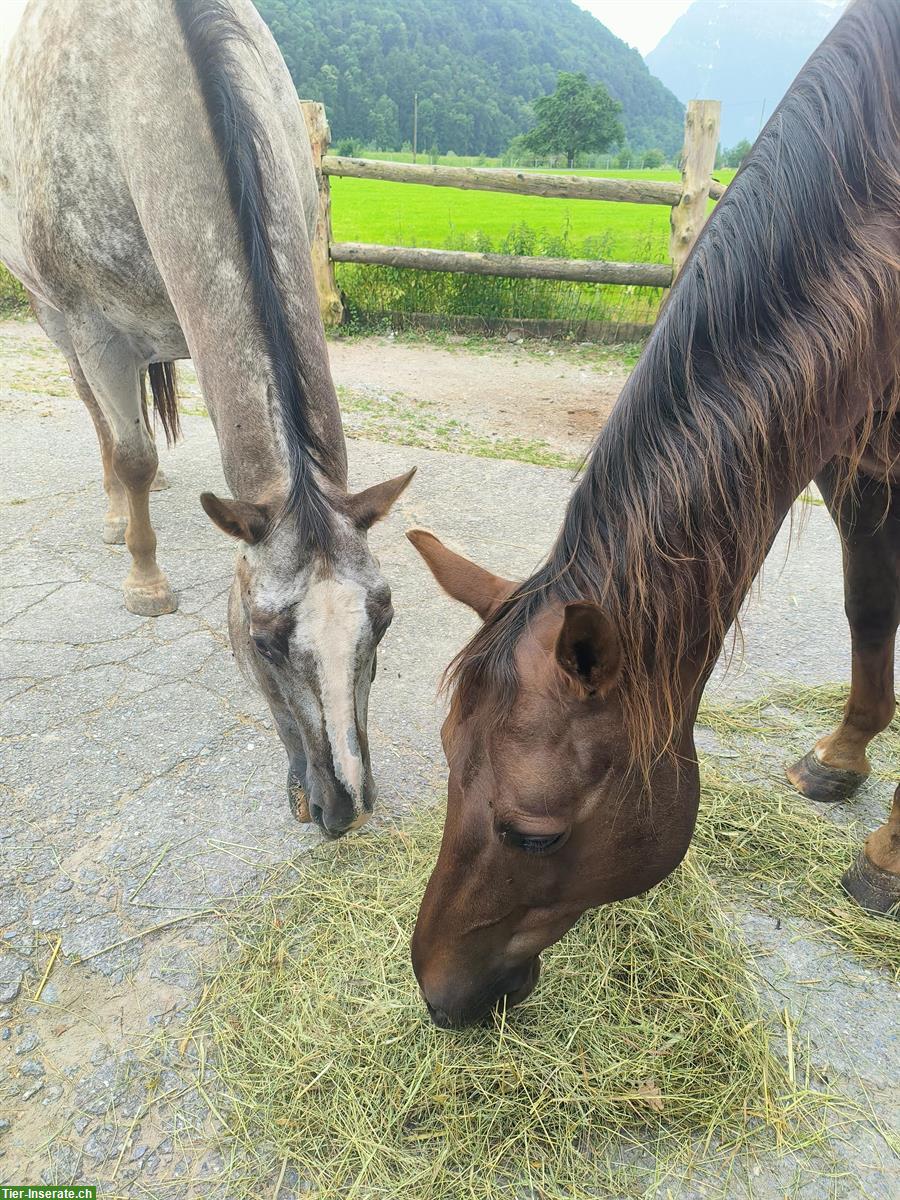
(317, 812)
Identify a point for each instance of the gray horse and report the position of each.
(157, 200)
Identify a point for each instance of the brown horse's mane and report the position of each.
(780, 306)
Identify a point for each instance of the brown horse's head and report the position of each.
(546, 814)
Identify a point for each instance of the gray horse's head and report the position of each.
(305, 628)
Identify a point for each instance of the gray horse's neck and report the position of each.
(244, 407)
(168, 276)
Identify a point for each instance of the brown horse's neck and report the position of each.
(776, 351)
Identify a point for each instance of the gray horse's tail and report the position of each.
(165, 398)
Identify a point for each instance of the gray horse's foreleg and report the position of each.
(112, 374)
(54, 325)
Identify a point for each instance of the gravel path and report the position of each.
(142, 785)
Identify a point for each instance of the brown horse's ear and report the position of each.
(369, 506)
(588, 648)
(461, 579)
(238, 518)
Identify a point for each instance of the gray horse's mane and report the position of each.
(213, 34)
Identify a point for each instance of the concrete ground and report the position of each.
(143, 784)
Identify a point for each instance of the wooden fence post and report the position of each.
(330, 303)
(701, 138)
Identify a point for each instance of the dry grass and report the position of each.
(647, 1041)
(795, 717)
(761, 837)
(766, 841)
(648, 1032)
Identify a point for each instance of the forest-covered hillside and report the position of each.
(476, 65)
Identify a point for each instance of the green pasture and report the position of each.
(365, 210)
(402, 214)
(12, 294)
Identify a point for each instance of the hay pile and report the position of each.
(646, 1037)
(647, 1025)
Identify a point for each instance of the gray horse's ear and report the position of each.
(238, 518)
(588, 648)
(366, 507)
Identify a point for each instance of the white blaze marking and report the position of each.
(330, 620)
(11, 12)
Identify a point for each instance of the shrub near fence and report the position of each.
(12, 294)
(687, 199)
(490, 302)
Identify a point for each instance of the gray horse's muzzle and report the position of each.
(325, 801)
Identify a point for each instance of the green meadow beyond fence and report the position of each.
(529, 278)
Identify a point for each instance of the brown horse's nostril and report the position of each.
(439, 1017)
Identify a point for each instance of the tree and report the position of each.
(384, 124)
(653, 158)
(736, 155)
(575, 117)
(480, 63)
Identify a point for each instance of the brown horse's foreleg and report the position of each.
(874, 879)
(869, 522)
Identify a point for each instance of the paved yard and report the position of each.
(143, 784)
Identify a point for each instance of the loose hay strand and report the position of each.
(761, 837)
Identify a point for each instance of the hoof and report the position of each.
(114, 531)
(827, 785)
(149, 601)
(874, 889)
(160, 481)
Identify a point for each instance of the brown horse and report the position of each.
(573, 777)
(157, 199)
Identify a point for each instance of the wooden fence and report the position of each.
(687, 200)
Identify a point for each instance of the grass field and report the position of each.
(12, 294)
(366, 210)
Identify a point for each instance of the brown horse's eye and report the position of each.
(532, 844)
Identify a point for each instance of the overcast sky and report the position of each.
(640, 23)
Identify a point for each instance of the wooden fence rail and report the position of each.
(522, 183)
(687, 200)
(509, 266)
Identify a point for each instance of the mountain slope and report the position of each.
(742, 52)
(476, 65)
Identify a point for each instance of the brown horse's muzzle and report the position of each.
(457, 1011)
